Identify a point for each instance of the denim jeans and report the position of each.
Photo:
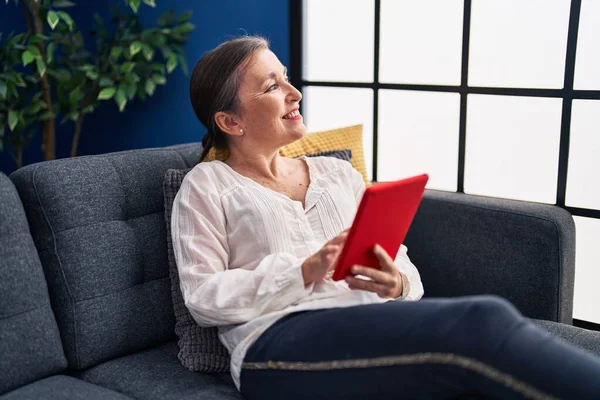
(470, 347)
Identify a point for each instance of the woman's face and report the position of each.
(268, 111)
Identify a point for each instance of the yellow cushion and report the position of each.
(335, 139)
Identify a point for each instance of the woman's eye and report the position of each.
(272, 87)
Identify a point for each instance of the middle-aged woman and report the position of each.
(256, 237)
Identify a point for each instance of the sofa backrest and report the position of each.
(30, 346)
(97, 223)
(468, 245)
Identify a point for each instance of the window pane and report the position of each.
(330, 108)
(339, 40)
(421, 42)
(583, 184)
(587, 270)
(512, 147)
(516, 43)
(587, 62)
(418, 133)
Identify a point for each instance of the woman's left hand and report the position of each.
(387, 282)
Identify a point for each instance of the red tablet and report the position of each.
(383, 217)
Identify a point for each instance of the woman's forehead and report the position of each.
(264, 63)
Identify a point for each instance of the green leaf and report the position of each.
(107, 93)
(134, 4)
(50, 52)
(12, 89)
(130, 89)
(62, 3)
(150, 87)
(183, 63)
(13, 119)
(186, 27)
(46, 116)
(121, 99)
(27, 57)
(52, 19)
(116, 52)
(159, 79)
(106, 81)
(148, 52)
(135, 48)
(37, 39)
(185, 16)
(92, 74)
(75, 96)
(166, 18)
(41, 66)
(67, 19)
(3, 89)
(127, 66)
(33, 49)
(171, 63)
(151, 3)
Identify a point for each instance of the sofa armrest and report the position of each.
(524, 252)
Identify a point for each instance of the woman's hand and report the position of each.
(387, 282)
(319, 264)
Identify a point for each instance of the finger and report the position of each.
(374, 274)
(339, 238)
(369, 286)
(386, 262)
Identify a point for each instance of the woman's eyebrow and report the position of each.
(273, 75)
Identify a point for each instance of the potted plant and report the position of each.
(50, 72)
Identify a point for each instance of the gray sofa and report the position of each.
(85, 302)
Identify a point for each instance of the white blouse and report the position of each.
(239, 248)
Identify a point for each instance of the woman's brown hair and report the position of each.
(215, 83)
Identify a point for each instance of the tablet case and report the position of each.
(383, 216)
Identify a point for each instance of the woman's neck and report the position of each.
(266, 166)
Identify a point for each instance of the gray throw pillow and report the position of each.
(199, 348)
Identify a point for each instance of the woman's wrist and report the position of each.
(405, 285)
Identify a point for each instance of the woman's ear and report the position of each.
(228, 123)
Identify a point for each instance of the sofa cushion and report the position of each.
(97, 223)
(61, 387)
(199, 348)
(30, 346)
(583, 338)
(157, 374)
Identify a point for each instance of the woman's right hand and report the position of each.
(316, 267)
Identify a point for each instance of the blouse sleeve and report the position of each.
(402, 261)
(214, 294)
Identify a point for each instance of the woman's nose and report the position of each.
(294, 94)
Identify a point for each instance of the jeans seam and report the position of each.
(483, 369)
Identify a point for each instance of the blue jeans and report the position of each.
(470, 347)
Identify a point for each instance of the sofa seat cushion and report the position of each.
(60, 387)
(157, 374)
(583, 338)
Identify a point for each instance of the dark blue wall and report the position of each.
(166, 118)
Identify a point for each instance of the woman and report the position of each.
(256, 238)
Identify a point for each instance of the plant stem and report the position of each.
(77, 134)
(87, 101)
(48, 126)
